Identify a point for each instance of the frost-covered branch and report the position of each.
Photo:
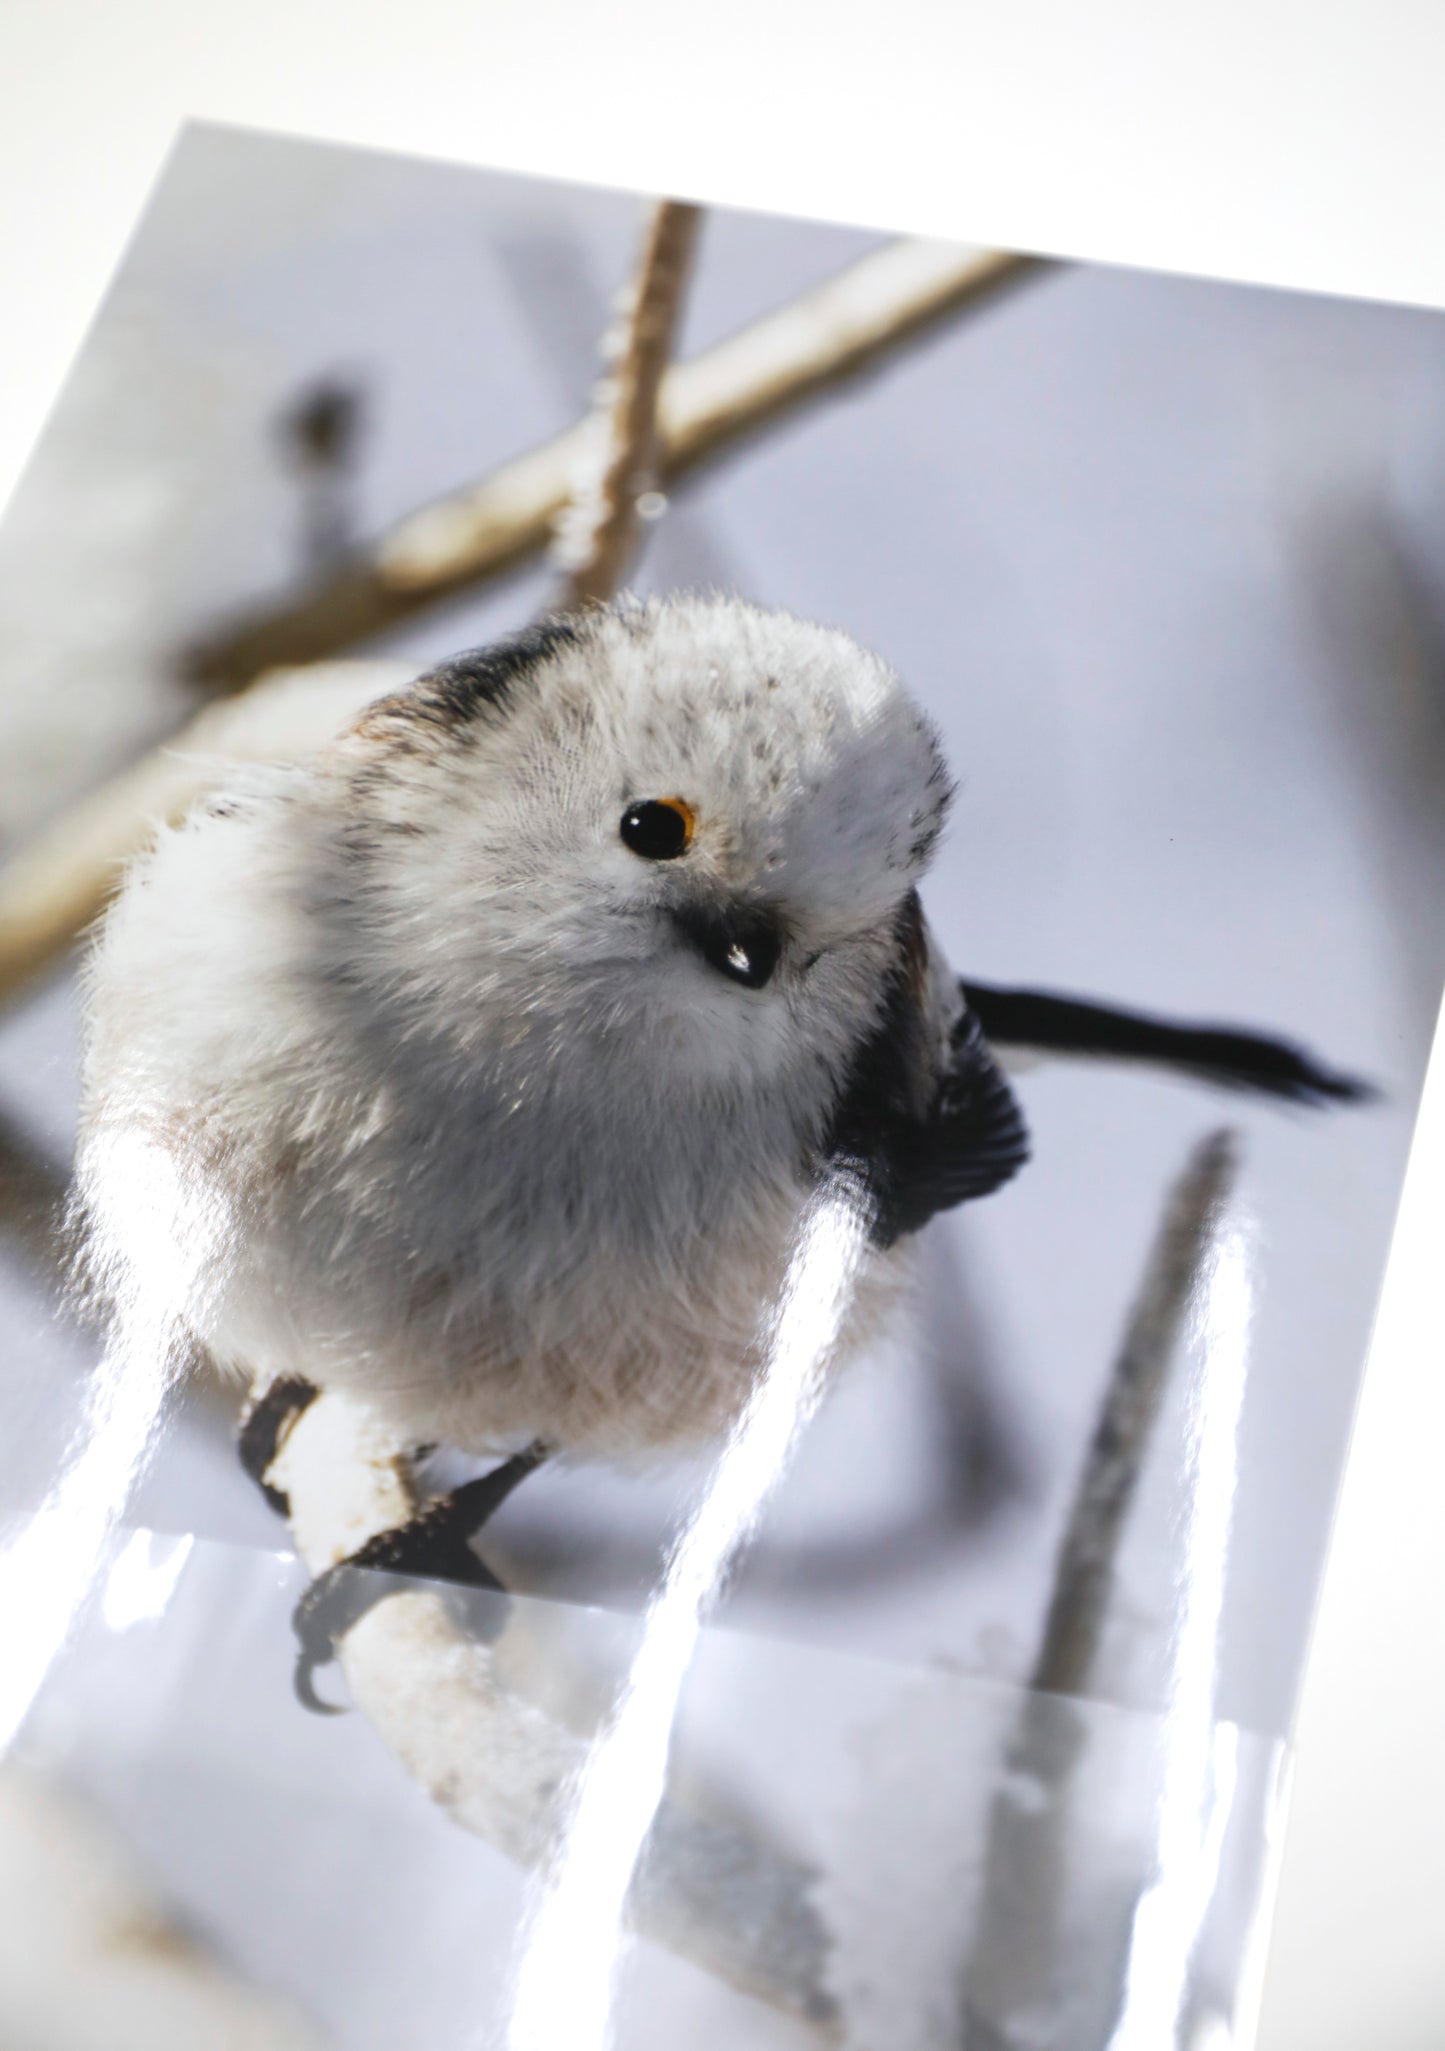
(496, 1763)
(597, 531)
(813, 345)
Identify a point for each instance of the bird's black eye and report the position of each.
(659, 830)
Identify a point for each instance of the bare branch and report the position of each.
(597, 531)
(812, 346)
(497, 1764)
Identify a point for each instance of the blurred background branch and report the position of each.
(597, 530)
(321, 434)
(1016, 1957)
(52, 890)
(802, 351)
(94, 1958)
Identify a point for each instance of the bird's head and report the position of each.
(684, 831)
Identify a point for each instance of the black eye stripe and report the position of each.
(659, 829)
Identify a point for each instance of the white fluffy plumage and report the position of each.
(503, 1147)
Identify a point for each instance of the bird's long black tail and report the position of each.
(1220, 1054)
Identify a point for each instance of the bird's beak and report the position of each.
(743, 944)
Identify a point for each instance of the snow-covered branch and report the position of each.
(496, 1763)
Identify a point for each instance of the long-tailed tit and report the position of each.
(515, 1029)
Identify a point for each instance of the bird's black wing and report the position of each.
(1217, 1053)
(928, 1128)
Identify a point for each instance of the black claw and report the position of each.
(432, 1547)
(328, 1608)
(265, 1421)
(306, 1695)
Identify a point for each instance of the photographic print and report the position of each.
(718, 939)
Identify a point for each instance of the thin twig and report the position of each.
(1013, 1976)
(496, 1764)
(597, 533)
(813, 345)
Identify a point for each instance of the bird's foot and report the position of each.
(433, 1546)
(265, 1421)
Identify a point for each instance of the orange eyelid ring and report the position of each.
(658, 829)
(684, 812)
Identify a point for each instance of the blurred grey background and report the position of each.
(1166, 560)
